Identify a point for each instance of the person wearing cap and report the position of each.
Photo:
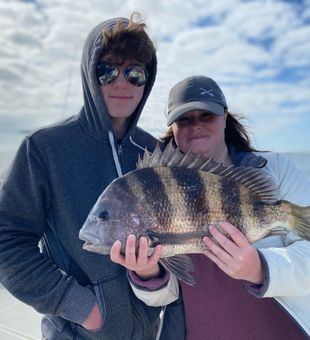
(58, 173)
(242, 291)
(193, 100)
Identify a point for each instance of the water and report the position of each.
(9, 143)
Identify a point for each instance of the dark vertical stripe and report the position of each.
(192, 188)
(260, 210)
(231, 201)
(153, 191)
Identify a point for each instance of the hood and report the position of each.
(94, 113)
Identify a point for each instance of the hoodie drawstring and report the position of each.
(134, 143)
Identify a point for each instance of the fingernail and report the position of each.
(212, 227)
(131, 237)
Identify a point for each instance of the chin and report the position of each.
(199, 149)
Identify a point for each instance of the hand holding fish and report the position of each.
(173, 204)
(234, 255)
(144, 266)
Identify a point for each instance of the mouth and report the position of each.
(197, 138)
(98, 249)
(121, 97)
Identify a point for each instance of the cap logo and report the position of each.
(204, 91)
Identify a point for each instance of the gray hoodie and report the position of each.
(58, 173)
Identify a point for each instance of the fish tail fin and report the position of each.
(180, 266)
(300, 220)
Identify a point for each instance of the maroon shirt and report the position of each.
(220, 308)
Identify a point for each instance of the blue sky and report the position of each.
(258, 52)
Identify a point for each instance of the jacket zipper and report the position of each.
(115, 152)
(120, 154)
(120, 151)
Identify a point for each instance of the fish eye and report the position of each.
(104, 215)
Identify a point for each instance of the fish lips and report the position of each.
(92, 243)
(97, 248)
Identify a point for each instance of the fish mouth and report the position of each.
(99, 249)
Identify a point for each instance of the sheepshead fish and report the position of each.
(172, 198)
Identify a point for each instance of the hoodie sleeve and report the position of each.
(24, 270)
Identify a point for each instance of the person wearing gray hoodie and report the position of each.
(56, 177)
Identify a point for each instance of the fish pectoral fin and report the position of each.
(180, 266)
(171, 238)
(153, 238)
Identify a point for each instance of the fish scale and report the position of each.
(172, 198)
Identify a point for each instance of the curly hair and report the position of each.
(129, 41)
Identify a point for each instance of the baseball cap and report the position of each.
(195, 93)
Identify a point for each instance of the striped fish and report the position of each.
(172, 198)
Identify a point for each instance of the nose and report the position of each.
(195, 122)
(120, 79)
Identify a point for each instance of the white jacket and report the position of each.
(287, 257)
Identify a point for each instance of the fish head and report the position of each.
(116, 214)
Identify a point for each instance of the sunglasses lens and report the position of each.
(106, 74)
(136, 75)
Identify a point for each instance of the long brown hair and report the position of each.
(235, 133)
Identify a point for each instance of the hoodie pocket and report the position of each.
(125, 316)
(81, 333)
(57, 328)
(114, 303)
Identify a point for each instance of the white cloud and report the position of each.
(262, 19)
(252, 48)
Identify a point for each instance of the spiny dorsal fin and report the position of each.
(254, 179)
(170, 157)
(145, 160)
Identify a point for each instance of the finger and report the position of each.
(142, 257)
(115, 253)
(216, 260)
(228, 245)
(130, 251)
(236, 235)
(217, 250)
(153, 260)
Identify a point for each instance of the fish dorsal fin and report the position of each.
(170, 157)
(256, 180)
(145, 160)
(260, 183)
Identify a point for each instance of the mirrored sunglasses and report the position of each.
(135, 74)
